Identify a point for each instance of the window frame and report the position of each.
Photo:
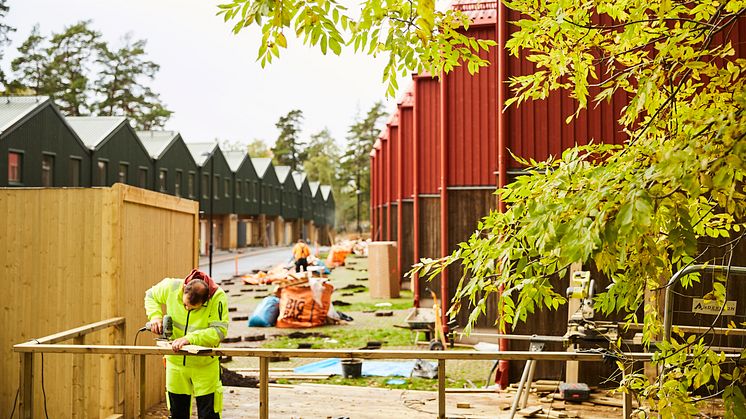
(126, 172)
(21, 156)
(77, 183)
(44, 156)
(98, 172)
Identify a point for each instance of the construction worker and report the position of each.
(199, 310)
(301, 252)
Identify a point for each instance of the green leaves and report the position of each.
(415, 36)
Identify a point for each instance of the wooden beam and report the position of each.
(78, 393)
(26, 399)
(336, 353)
(141, 390)
(77, 332)
(263, 388)
(441, 389)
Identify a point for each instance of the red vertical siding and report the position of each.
(393, 158)
(406, 122)
(428, 126)
(537, 129)
(471, 125)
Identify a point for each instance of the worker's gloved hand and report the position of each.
(156, 326)
(179, 343)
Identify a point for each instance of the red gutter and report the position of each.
(443, 198)
(503, 372)
(415, 191)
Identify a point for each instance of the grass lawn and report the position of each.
(351, 297)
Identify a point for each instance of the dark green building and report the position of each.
(38, 147)
(212, 164)
(246, 182)
(289, 199)
(329, 205)
(117, 155)
(174, 170)
(270, 187)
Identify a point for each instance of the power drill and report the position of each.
(168, 327)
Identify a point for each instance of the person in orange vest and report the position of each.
(300, 255)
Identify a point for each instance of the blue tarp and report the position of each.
(370, 368)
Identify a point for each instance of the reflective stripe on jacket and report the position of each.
(206, 326)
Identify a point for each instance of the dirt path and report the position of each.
(313, 401)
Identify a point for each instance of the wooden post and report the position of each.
(627, 396)
(79, 386)
(26, 399)
(263, 387)
(572, 367)
(441, 388)
(141, 390)
(120, 365)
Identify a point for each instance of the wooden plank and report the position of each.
(78, 331)
(263, 388)
(441, 388)
(26, 396)
(158, 200)
(337, 353)
(79, 382)
(143, 381)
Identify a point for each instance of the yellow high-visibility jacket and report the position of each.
(206, 326)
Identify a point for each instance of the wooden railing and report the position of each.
(77, 335)
(79, 349)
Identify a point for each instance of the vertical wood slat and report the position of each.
(26, 399)
(120, 365)
(79, 381)
(141, 391)
(441, 388)
(264, 387)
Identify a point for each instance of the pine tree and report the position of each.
(31, 65)
(355, 168)
(66, 77)
(5, 30)
(121, 85)
(289, 149)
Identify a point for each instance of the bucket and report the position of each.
(352, 368)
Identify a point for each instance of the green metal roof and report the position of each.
(93, 130)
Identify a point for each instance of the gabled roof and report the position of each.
(325, 191)
(157, 142)
(299, 178)
(282, 173)
(14, 108)
(479, 12)
(261, 164)
(202, 151)
(314, 188)
(93, 130)
(235, 159)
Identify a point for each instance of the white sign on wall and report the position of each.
(712, 307)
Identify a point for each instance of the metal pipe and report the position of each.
(668, 308)
(212, 198)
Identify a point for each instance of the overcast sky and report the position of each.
(209, 77)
